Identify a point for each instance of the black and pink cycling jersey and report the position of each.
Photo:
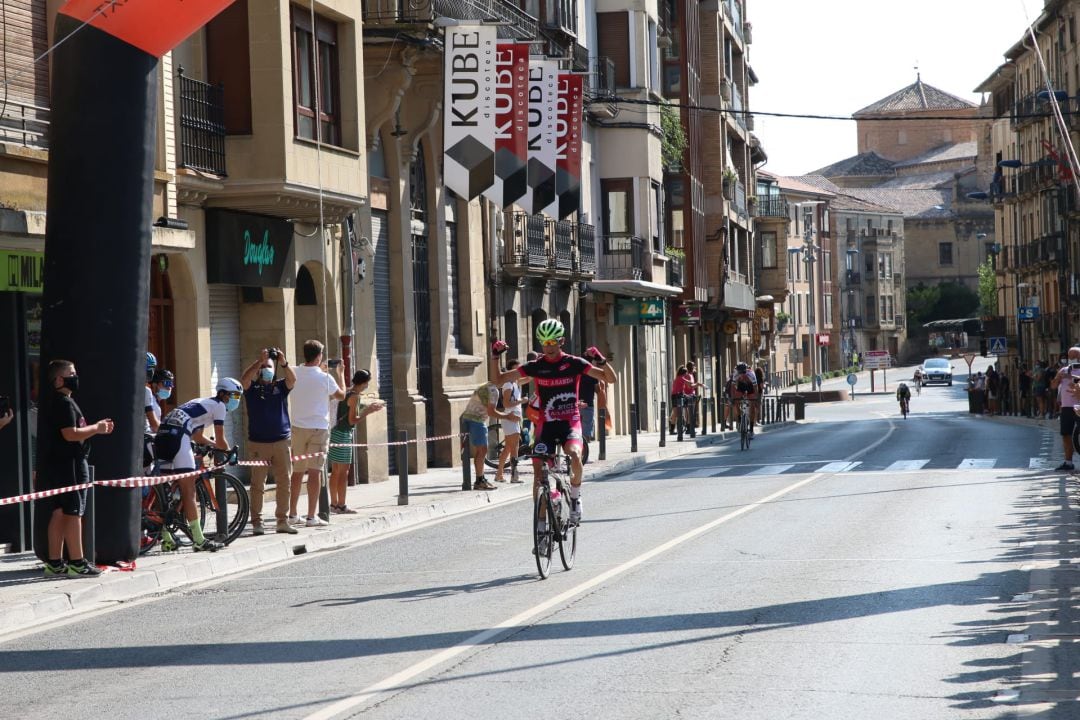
(557, 385)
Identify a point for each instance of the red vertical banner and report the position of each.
(511, 124)
(570, 107)
(155, 27)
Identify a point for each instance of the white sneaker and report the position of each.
(575, 512)
(315, 521)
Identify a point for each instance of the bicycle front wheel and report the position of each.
(568, 542)
(238, 506)
(495, 446)
(543, 532)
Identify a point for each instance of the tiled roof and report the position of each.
(844, 199)
(917, 96)
(796, 185)
(911, 203)
(922, 181)
(944, 153)
(867, 163)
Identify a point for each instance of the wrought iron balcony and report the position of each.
(561, 237)
(202, 125)
(772, 206)
(600, 82)
(676, 271)
(585, 256)
(526, 249)
(515, 23)
(623, 258)
(23, 124)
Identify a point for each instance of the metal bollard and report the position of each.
(663, 424)
(704, 416)
(679, 419)
(221, 494)
(403, 468)
(324, 495)
(713, 402)
(633, 427)
(602, 433)
(89, 543)
(466, 456)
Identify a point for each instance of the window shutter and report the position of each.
(613, 38)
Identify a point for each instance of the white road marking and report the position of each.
(1040, 464)
(839, 467)
(907, 465)
(395, 680)
(522, 618)
(1017, 639)
(976, 464)
(771, 470)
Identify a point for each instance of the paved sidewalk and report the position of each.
(27, 598)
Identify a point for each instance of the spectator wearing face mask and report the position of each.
(269, 434)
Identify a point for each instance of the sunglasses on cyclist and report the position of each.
(551, 343)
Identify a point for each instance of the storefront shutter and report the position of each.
(225, 349)
(384, 324)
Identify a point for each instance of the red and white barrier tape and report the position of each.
(150, 480)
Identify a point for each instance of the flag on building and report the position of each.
(568, 144)
(511, 124)
(543, 79)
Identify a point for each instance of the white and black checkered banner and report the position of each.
(469, 118)
(543, 92)
(511, 124)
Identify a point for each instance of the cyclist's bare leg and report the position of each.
(754, 402)
(510, 450)
(573, 451)
(187, 498)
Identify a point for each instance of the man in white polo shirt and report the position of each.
(310, 415)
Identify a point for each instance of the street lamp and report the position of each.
(793, 253)
(809, 251)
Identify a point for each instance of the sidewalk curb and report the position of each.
(118, 587)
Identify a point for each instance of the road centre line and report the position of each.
(396, 680)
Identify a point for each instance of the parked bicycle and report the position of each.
(551, 513)
(496, 443)
(161, 506)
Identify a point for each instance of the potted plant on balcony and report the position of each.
(751, 205)
(782, 320)
(730, 178)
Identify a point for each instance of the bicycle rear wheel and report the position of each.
(153, 519)
(744, 433)
(496, 443)
(239, 506)
(543, 532)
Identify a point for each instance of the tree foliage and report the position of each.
(673, 144)
(988, 297)
(945, 301)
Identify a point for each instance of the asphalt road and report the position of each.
(855, 566)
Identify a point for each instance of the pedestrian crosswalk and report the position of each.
(683, 470)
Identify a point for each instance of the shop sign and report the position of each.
(652, 311)
(627, 311)
(22, 271)
(250, 250)
(823, 339)
(688, 314)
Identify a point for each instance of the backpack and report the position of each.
(170, 435)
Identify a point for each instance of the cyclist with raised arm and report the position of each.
(172, 445)
(744, 385)
(556, 376)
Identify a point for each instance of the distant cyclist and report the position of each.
(556, 376)
(903, 396)
(744, 384)
(172, 446)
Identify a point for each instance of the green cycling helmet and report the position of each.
(550, 330)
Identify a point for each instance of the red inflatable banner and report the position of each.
(153, 26)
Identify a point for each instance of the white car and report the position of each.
(936, 370)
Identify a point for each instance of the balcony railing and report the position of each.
(23, 124)
(853, 278)
(561, 234)
(772, 206)
(202, 125)
(1036, 177)
(676, 271)
(600, 82)
(623, 258)
(527, 248)
(514, 22)
(585, 259)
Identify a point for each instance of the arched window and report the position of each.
(305, 288)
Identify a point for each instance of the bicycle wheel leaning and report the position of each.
(543, 531)
(239, 506)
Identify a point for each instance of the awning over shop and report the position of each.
(635, 288)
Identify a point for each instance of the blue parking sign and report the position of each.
(1029, 313)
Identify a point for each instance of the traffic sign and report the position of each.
(969, 358)
(1029, 314)
(996, 346)
(852, 379)
(876, 359)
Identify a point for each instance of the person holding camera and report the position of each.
(269, 433)
(311, 396)
(1068, 393)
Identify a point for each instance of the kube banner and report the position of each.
(469, 115)
(511, 124)
(543, 90)
(569, 106)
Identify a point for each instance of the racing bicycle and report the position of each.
(161, 505)
(904, 407)
(746, 430)
(551, 514)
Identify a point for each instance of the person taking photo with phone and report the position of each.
(1068, 394)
